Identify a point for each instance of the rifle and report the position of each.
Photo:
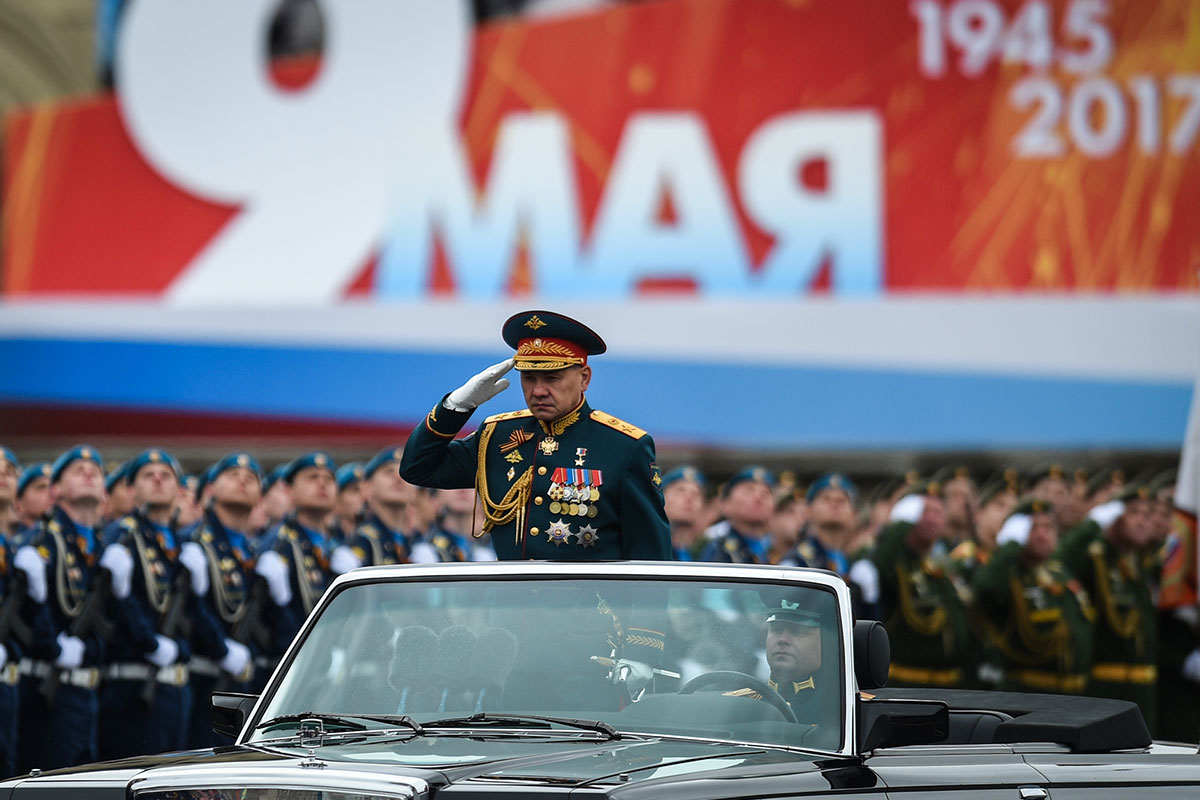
(11, 623)
(249, 627)
(173, 622)
(90, 619)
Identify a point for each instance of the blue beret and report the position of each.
(8, 456)
(313, 459)
(684, 473)
(153, 455)
(232, 461)
(118, 474)
(349, 473)
(80, 452)
(833, 480)
(759, 474)
(274, 476)
(384, 456)
(30, 474)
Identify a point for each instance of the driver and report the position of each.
(794, 656)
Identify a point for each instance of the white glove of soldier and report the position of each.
(117, 560)
(1191, 666)
(1106, 514)
(1015, 529)
(343, 560)
(237, 658)
(165, 653)
(480, 388)
(3, 656)
(635, 675)
(271, 567)
(71, 652)
(191, 555)
(29, 561)
(864, 573)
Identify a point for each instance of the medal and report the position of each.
(555, 507)
(548, 446)
(558, 532)
(594, 495)
(580, 453)
(587, 536)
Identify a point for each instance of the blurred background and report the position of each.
(874, 237)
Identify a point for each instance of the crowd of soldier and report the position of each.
(129, 597)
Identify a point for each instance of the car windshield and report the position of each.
(571, 658)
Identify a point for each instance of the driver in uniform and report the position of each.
(794, 656)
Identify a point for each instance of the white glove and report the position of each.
(191, 555)
(71, 651)
(343, 560)
(271, 567)
(908, 509)
(117, 560)
(29, 561)
(165, 653)
(3, 656)
(1191, 666)
(1015, 529)
(237, 658)
(337, 660)
(1105, 515)
(635, 675)
(480, 388)
(865, 574)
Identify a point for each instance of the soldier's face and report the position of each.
(81, 482)
(313, 488)
(349, 500)
(277, 502)
(684, 502)
(793, 651)
(1043, 537)
(155, 485)
(35, 500)
(238, 486)
(8, 481)
(385, 486)
(1137, 523)
(749, 503)
(1054, 490)
(831, 508)
(960, 501)
(555, 393)
(992, 516)
(932, 523)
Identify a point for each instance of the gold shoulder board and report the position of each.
(524, 412)
(618, 424)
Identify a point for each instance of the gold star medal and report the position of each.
(559, 532)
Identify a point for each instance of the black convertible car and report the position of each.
(527, 679)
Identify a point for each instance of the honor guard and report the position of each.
(380, 537)
(1104, 553)
(348, 507)
(296, 568)
(558, 479)
(922, 606)
(450, 537)
(10, 650)
(747, 503)
(1035, 614)
(276, 503)
(33, 497)
(145, 702)
(120, 493)
(61, 674)
(683, 499)
(223, 576)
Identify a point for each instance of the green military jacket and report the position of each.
(1040, 620)
(924, 611)
(584, 487)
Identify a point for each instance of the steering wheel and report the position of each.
(743, 681)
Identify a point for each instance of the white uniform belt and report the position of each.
(83, 677)
(204, 666)
(173, 675)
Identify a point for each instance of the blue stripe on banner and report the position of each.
(770, 407)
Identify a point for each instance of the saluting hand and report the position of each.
(480, 388)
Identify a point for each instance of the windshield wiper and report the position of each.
(345, 721)
(484, 718)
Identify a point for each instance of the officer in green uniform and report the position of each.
(1105, 554)
(557, 480)
(1035, 613)
(922, 604)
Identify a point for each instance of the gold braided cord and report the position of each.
(154, 595)
(1125, 626)
(512, 507)
(69, 608)
(229, 608)
(925, 624)
(307, 595)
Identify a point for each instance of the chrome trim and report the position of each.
(232, 775)
(607, 570)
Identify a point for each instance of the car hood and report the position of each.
(414, 767)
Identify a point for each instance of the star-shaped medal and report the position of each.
(558, 532)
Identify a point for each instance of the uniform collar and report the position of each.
(797, 686)
(559, 425)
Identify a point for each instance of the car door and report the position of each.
(979, 772)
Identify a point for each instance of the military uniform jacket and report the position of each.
(137, 617)
(308, 562)
(1039, 619)
(924, 612)
(731, 546)
(375, 543)
(42, 628)
(230, 576)
(584, 487)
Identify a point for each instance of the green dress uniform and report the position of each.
(1039, 619)
(924, 611)
(1126, 647)
(584, 487)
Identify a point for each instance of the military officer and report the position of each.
(747, 503)
(145, 701)
(1036, 614)
(922, 605)
(221, 584)
(1105, 554)
(348, 504)
(556, 479)
(683, 499)
(380, 537)
(33, 495)
(59, 702)
(297, 568)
